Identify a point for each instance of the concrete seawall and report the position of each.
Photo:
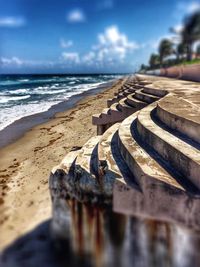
(188, 72)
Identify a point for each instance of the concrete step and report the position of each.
(85, 181)
(154, 91)
(125, 108)
(114, 115)
(144, 82)
(138, 86)
(95, 119)
(106, 160)
(145, 167)
(126, 92)
(175, 115)
(114, 108)
(180, 155)
(123, 104)
(111, 101)
(105, 111)
(114, 99)
(132, 90)
(120, 95)
(111, 165)
(139, 94)
(76, 176)
(131, 100)
(127, 87)
(84, 158)
(67, 162)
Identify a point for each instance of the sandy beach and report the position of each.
(26, 164)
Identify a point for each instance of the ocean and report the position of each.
(25, 95)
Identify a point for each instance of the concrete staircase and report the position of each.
(146, 157)
(131, 97)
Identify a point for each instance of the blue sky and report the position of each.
(85, 36)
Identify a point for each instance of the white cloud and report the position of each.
(192, 7)
(72, 57)
(112, 37)
(12, 22)
(154, 43)
(11, 61)
(15, 62)
(111, 50)
(76, 16)
(113, 45)
(89, 58)
(185, 8)
(178, 28)
(66, 44)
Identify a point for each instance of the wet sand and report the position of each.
(25, 165)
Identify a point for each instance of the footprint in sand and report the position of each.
(4, 170)
(1, 201)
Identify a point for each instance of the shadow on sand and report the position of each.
(37, 249)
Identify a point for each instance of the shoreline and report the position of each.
(19, 127)
(26, 163)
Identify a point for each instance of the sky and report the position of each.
(85, 36)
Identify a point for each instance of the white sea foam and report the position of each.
(6, 99)
(19, 91)
(11, 114)
(50, 95)
(23, 80)
(72, 82)
(50, 92)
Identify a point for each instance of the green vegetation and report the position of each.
(183, 51)
(193, 61)
(165, 49)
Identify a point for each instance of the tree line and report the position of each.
(170, 53)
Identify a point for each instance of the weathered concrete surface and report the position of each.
(151, 158)
(184, 72)
(170, 112)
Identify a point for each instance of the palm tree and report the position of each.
(165, 49)
(181, 50)
(191, 32)
(154, 61)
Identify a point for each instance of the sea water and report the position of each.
(24, 95)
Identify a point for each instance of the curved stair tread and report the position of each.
(184, 150)
(132, 90)
(120, 95)
(95, 118)
(139, 86)
(149, 94)
(145, 82)
(145, 119)
(114, 106)
(84, 157)
(105, 111)
(176, 116)
(104, 149)
(140, 92)
(116, 167)
(126, 92)
(154, 91)
(180, 109)
(67, 162)
(132, 100)
(123, 103)
(140, 160)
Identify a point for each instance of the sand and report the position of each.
(25, 165)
